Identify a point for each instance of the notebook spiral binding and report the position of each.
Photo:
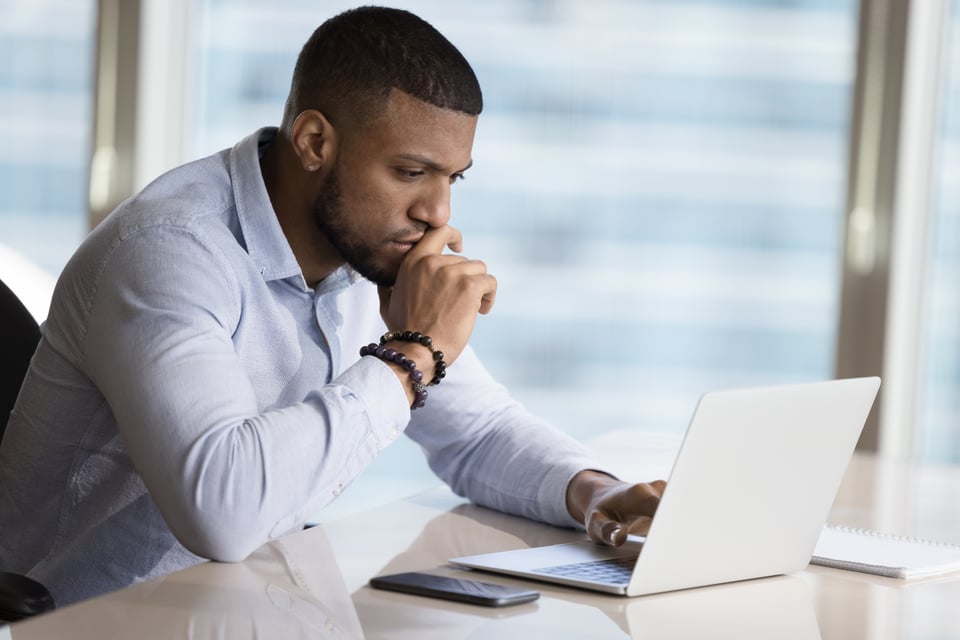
(890, 536)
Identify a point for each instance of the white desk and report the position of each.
(312, 584)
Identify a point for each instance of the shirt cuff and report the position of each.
(382, 395)
(553, 490)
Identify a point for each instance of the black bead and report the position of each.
(406, 336)
(438, 356)
(426, 341)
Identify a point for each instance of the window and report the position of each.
(939, 415)
(45, 117)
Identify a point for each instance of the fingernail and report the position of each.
(612, 535)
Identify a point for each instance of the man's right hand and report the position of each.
(438, 294)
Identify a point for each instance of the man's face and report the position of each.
(391, 181)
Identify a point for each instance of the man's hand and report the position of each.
(439, 294)
(611, 508)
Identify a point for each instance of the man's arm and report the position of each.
(227, 473)
(610, 508)
(479, 440)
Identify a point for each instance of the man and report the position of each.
(199, 390)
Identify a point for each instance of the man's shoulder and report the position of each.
(183, 196)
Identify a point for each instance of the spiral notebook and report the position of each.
(884, 554)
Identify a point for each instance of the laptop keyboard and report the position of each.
(611, 571)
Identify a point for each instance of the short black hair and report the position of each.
(353, 61)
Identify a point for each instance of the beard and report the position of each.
(333, 222)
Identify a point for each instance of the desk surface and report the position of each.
(312, 584)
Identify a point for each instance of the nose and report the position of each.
(433, 205)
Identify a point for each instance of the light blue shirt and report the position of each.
(193, 398)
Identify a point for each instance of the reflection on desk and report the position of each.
(313, 584)
(289, 588)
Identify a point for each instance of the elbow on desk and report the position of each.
(219, 534)
(224, 543)
(222, 508)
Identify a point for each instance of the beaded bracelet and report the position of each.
(439, 366)
(416, 376)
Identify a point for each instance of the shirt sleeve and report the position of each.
(490, 449)
(226, 476)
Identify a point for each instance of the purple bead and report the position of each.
(416, 375)
(410, 365)
(389, 354)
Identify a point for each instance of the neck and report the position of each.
(292, 192)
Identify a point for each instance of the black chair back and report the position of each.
(20, 597)
(21, 334)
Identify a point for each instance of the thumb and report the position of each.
(607, 531)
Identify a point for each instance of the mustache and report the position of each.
(410, 234)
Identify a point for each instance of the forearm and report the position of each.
(231, 485)
(487, 447)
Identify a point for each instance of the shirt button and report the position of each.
(337, 490)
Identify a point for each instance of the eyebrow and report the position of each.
(430, 164)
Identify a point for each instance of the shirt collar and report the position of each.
(266, 244)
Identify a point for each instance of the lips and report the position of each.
(407, 242)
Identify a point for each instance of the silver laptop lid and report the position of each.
(753, 483)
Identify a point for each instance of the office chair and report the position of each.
(20, 340)
(20, 596)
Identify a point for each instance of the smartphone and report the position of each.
(457, 589)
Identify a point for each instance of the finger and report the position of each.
(607, 530)
(489, 295)
(484, 285)
(643, 498)
(434, 241)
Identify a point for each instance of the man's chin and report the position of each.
(379, 277)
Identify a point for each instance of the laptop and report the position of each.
(747, 497)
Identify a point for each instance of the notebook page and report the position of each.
(884, 554)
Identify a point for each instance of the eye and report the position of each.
(457, 177)
(410, 174)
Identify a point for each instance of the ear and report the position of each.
(313, 138)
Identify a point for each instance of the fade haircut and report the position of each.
(353, 61)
